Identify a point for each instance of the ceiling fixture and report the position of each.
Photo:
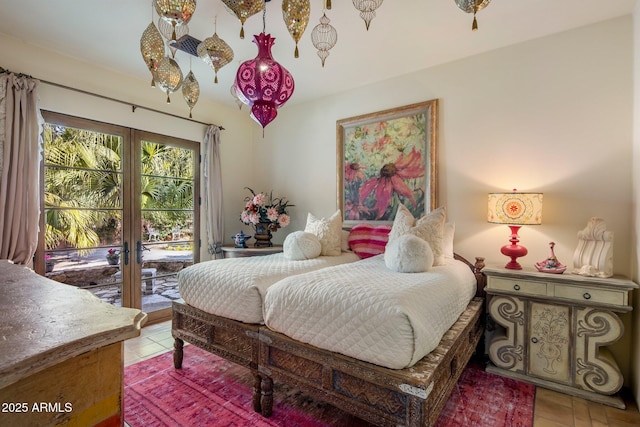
(152, 49)
(167, 30)
(367, 9)
(190, 91)
(296, 17)
(175, 12)
(215, 52)
(472, 6)
(262, 83)
(243, 9)
(168, 76)
(324, 37)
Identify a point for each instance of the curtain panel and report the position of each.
(212, 173)
(21, 146)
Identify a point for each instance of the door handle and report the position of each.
(139, 252)
(126, 251)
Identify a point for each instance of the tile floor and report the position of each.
(552, 409)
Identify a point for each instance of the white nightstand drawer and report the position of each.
(591, 295)
(515, 285)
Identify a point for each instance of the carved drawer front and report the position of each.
(550, 338)
(529, 287)
(590, 294)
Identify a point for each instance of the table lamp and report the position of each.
(514, 209)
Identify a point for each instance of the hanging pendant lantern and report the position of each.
(190, 91)
(152, 49)
(472, 6)
(167, 30)
(168, 76)
(244, 9)
(175, 12)
(262, 83)
(215, 52)
(367, 9)
(296, 17)
(324, 37)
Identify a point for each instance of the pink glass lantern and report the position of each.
(262, 83)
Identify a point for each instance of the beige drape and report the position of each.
(212, 173)
(20, 140)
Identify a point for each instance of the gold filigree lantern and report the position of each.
(152, 49)
(168, 76)
(472, 6)
(215, 52)
(367, 9)
(324, 37)
(244, 9)
(175, 12)
(296, 17)
(190, 91)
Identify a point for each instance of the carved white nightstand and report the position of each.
(553, 329)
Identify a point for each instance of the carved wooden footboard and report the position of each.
(229, 339)
(409, 397)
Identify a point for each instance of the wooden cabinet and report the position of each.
(233, 252)
(553, 329)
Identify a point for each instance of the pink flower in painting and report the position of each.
(391, 180)
(353, 172)
(272, 214)
(254, 218)
(283, 220)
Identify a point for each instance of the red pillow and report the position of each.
(368, 240)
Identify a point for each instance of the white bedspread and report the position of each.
(234, 287)
(366, 311)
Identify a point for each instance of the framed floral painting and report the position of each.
(385, 159)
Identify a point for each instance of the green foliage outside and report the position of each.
(83, 187)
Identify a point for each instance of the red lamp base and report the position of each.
(514, 251)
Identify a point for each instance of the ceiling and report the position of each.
(405, 36)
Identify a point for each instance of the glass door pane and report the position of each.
(83, 205)
(167, 197)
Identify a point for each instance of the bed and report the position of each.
(221, 306)
(409, 396)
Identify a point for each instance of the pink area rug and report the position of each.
(209, 391)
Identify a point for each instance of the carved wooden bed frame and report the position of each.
(411, 397)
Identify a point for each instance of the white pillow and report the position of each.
(447, 241)
(429, 228)
(344, 241)
(408, 254)
(301, 245)
(328, 231)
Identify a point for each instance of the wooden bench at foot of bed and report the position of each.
(388, 397)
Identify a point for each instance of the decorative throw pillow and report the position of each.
(408, 254)
(344, 241)
(367, 240)
(328, 231)
(301, 245)
(447, 241)
(429, 228)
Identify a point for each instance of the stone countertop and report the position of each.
(43, 322)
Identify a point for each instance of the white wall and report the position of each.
(551, 115)
(18, 56)
(635, 353)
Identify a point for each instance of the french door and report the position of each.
(120, 211)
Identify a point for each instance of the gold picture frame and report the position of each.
(387, 158)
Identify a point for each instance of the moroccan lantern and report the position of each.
(472, 6)
(243, 9)
(168, 76)
(324, 37)
(175, 12)
(215, 52)
(296, 17)
(152, 49)
(262, 83)
(190, 91)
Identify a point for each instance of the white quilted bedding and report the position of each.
(366, 311)
(234, 287)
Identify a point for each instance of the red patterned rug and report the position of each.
(209, 391)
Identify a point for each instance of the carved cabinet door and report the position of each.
(550, 338)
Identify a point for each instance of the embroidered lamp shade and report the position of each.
(514, 209)
(262, 83)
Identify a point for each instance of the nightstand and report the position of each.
(552, 330)
(233, 252)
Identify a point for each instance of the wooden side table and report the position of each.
(553, 330)
(233, 252)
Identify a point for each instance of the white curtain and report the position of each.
(21, 146)
(213, 191)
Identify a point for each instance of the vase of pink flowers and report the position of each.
(113, 256)
(266, 214)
